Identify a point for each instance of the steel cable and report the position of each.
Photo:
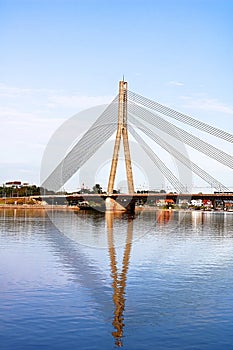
(101, 130)
(180, 116)
(178, 186)
(187, 162)
(182, 135)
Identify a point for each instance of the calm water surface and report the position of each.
(79, 280)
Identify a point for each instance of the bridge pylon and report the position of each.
(122, 133)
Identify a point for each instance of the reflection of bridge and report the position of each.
(79, 263)
(81, 269)
(147, 122)
(119, 279)
(89, 275)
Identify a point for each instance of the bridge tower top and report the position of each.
(122, 132)
(122, 108)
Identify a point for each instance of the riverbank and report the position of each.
(76, 208)
(38, 207)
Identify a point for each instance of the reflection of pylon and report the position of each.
(119, 279)
(122, 131)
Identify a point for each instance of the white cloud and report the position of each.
(206, 104)
(78, 101)
(29, 117)
(11, 91)
(25, 134)
(48, 98)
(13, 114)
(15, 91)
(15, 118)
(175, 83)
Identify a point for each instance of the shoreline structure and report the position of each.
(76, 208)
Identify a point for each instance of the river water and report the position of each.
(89, 280)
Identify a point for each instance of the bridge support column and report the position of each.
(214, 204)
(122, 132)
(112, 205)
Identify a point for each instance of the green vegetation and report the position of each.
(97, 189)
(18, 201)
(23, 191)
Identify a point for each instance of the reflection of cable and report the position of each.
(178, 186)
(182, 135)
(187, 162)
(184, 118)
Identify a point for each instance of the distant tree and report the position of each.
(97, 188)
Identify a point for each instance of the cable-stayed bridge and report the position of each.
(146, 121)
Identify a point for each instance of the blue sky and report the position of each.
(61, 56)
